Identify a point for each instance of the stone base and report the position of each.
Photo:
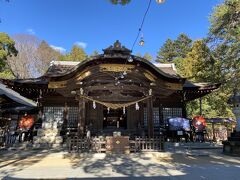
(47, 138)
(232, 145)
(46, 145)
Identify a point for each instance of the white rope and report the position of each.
(115, 105)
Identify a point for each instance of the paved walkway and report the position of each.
(207, 164)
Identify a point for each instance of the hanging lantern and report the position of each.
(137, 106)
(141, 42)
(73, 92)
(130, 59)
(124, 110)
(122, 76)
(94, 105)
(160, 1)
(52, 63)
(81, 91)
(150, 92)
(117, 83)
(40, 94)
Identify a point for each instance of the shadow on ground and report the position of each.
(17, 160)
(134, 166)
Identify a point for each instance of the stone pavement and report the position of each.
(47, 164)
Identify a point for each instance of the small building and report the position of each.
(113, 91)
(11, 104)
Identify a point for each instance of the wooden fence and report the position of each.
(99, 144)
(147, 144)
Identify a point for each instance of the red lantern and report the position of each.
(26, 122)
(199, 123)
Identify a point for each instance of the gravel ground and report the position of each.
(196, 164)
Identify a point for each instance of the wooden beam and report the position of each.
(119, 98)
(114, 87)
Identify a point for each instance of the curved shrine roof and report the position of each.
(117, 54)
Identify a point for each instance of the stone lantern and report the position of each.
(235, 102)
(232, 145)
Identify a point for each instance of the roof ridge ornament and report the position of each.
(117, 44)
(116, 49)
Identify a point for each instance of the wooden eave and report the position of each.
(120, 59)
(196, 91)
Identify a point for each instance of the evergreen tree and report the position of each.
(76, 54)
(94, 53)
(176, 49)
(182, 45)
(147, 56)
(225, 36)
(7, 49)
(122, 2)
(45, 54)
(167, 52)
(138, 54)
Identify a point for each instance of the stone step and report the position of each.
(192, 146)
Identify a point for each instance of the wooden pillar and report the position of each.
(213, 130)
(161, 121)
(184, 110)
(200, 103)
(99, 118)
(226, 125)
(141, 111)
(81, 122)
(65, 117)
(150, 117)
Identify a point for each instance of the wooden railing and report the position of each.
(99, 144)
(141, 144)
(8, 140)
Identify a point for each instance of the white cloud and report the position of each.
(31, 31)
(81, 44)
(58, 48)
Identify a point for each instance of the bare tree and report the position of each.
(34, 56)
(22, 66)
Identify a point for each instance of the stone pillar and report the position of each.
(232, 145)
(236, 111)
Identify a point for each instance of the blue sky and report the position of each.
(96, 24)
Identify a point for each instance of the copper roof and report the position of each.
(60, 67)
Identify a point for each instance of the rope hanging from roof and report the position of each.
(115, 105)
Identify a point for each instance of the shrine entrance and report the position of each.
(114, 119)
